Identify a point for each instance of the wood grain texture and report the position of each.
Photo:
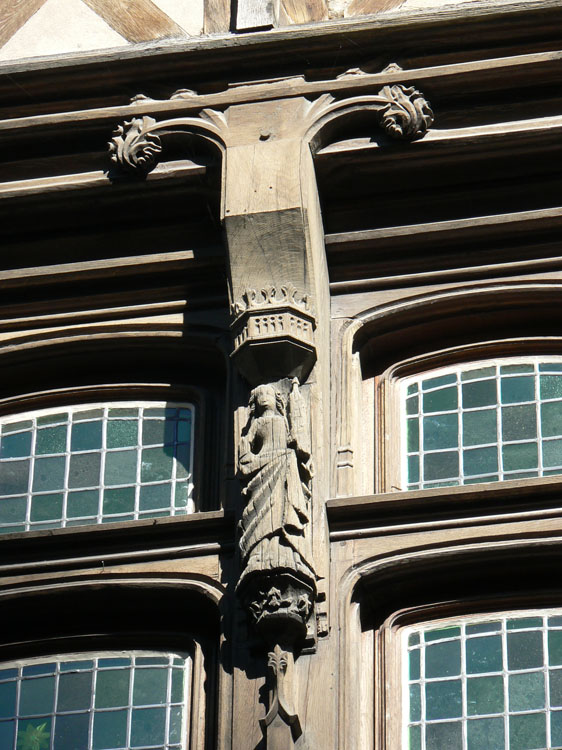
(302, 11)
(136, 20)
(14, 14)
(217, 17)
(366, 7)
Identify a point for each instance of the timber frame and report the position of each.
(284, 224)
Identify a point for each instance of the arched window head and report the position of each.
(484, 422)
(95, 463)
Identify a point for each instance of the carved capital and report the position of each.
(408, 115)
(273, 332)
(280, 606)
(133, 146)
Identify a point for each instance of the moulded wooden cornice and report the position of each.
(419, 510)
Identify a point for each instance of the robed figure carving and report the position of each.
(275, 468)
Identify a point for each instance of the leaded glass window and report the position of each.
(115, 701)
(483, 423)
(491, 683)
(95, 464)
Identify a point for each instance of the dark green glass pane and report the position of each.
(12, 510)
(413, 431)
(414, 662)
(526, 691)
(178, 678)
(148, 726)
(121, 467)
(155, 496)
(34, 734)
(555, 647)
(522, 623)
(86, 436)
(75, 691)
(415, 703)
(480, 461)
(552, 452)
(7, 700)
(441, 431)
(16, 427)
(479, 427)
(519, 422)
(176, 723)
(441, 400)
(527, 732)
(8, 674)
(555, 622)
(551, 419)
(53, 418)
(480, 393)
(555, 679)
(412, 405)
(441, 465)
(445, 736)
(112, 688)
(51, 440)
(443, 659)
(481, 372)
(14, 477)
(156, 465)
(450, 483)
(118, 519)
(184, 430)
(122, 433)
(114, 661)
(483, 627)
(45, 668)
(550, 386)
(510, 369)
(439, 381)
(84, 470)
(48, 474)
(71, 732)
(484, 654)
(439, 633)
(124, 412)
(46, 507)
(520, 456)
(120, 500)
(556, 728)
(553, 473)
(485, 734)
(517, 390)
(182, 489)
(7, 731)
(550, 367)
(17, 445)
(80, 416)
(150, 686)
(110, 730)
(160, 412)
(158, 432)
(484, 695)
(413, 388)
(413, 639)
(82, 503)
(37, 695)
(524, 650)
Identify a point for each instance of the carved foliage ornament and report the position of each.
(408, 115)
(134, 146)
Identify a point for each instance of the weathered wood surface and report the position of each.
(217, 17)
(136, 20)
(14, 14)
(365, 7)
(302, 11)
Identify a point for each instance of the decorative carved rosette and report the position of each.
(408, 115)
(273, 332)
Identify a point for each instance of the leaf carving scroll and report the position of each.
(134, 146)
(408, 115)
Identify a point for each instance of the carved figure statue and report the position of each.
(275, 468)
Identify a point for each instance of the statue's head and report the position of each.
(266, 397)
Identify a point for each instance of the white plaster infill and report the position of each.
(189, 14)
(61, 26)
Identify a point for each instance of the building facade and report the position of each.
(281, 401)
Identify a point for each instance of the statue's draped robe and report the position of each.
(275, 519)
